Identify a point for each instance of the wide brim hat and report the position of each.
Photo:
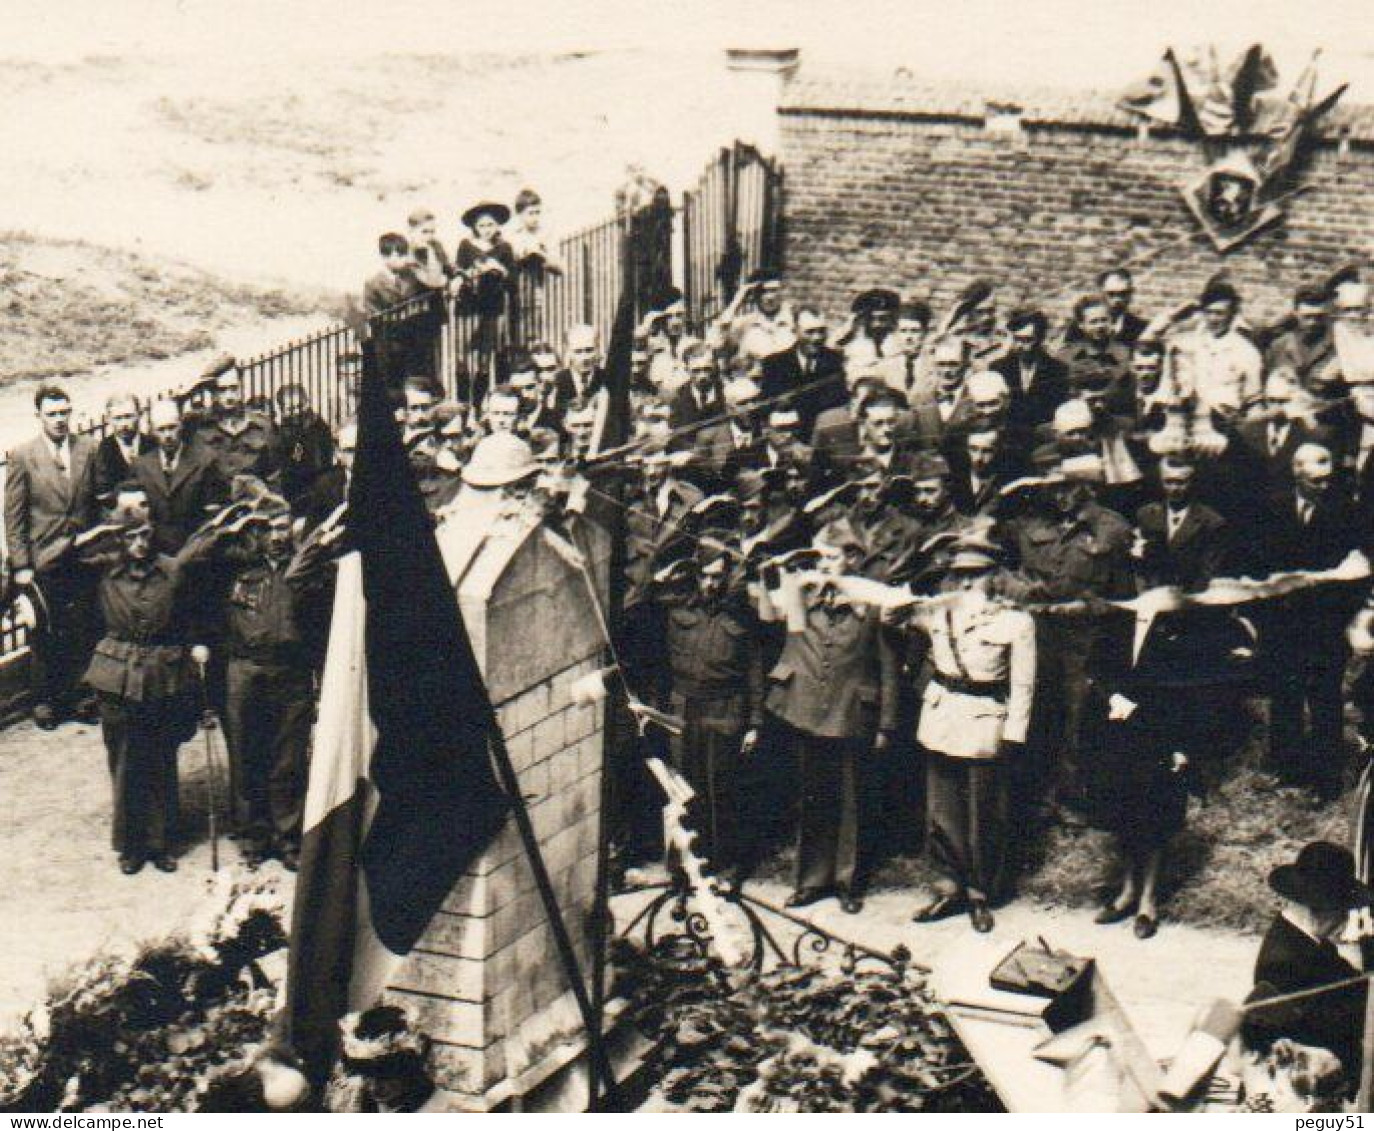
(1321, 878)
(499, 460)
(498, 212)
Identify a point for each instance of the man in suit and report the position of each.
(122, 443)
(1117, 289)
(868, 436)
(50, 499)
(941, 405)
(1180, 541)
(581, 377)
(1299, 953)
(833, 697)
(394, 337)
(1313, 526)
(901, 370)
(307, 444)
(724, 450)
(183, 481)
(981, 463)
(1039, 382)
(810, 375)
(698, 401)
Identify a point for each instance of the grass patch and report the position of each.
(70, 307)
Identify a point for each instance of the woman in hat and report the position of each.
(974, 716)
(1299, 952)
(487, 263)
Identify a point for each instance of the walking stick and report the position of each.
(200, 655)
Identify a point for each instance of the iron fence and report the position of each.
(730, 224)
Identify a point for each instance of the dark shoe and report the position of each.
(850, 903)
(131, 865)
(804, 897)
(165, 863)
(290, 858)
(980, 916)
(87, 711)
(941, 907)
(1113, 914)
(44, 717)
(1146, 926)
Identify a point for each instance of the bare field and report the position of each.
(71, 307)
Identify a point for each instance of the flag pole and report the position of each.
(599, 1064)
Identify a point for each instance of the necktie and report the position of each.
(60, 454)
(1276, 438)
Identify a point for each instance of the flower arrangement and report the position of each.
(805, 1038)
(157, 1032)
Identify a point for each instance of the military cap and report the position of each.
(876, 299)
(224, 363)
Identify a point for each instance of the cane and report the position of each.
(200, 655)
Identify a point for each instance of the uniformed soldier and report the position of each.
(269, 700)
(141, 673)
(833, 694)
(1070, 548)
(974, 715)
(242, 442)
(716, 688)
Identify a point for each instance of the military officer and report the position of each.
(716, 688)
(242, 442)
(974, 715)
(833, 696)
(1070, 548)
(141, 673)
(269, 697)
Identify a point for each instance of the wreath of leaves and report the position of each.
(808, 1038)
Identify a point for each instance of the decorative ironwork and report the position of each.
(767, 946)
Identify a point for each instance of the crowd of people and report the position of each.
(926, 579)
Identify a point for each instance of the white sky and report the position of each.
(1060, 42)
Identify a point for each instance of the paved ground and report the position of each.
(62, 897)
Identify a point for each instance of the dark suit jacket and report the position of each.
(565, 391)
(44, 509)
(684, 412)
(180, 502)
(1049, 389)
(111, 468)
(1196, 554)
(837, 678)
(1010, 463)
(1291, 960)
(1330, 534)
(782, 374)
(720, 459)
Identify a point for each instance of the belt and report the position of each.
(985, 688)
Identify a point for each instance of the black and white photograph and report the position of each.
(753, 557)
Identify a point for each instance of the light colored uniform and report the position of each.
(1225, 373)
(980, 696)
(984, 681)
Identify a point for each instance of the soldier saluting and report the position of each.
(141, 670)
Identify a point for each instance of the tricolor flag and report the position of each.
(402, 796)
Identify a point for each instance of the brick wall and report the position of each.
(893, 183)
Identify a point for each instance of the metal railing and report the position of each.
(730, 219)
